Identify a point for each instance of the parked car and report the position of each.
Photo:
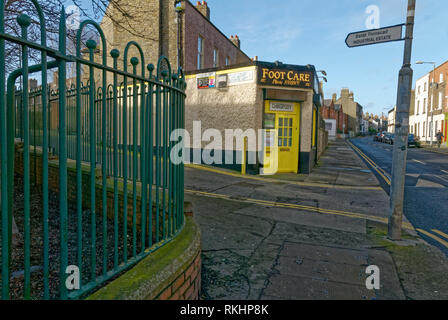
(388, 138)
(381, 136)
(377, 137)
(413, 141)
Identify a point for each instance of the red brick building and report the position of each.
(330, 110)
(205, 46)
(160, 29)
(438, 113)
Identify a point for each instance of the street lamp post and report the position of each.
(430, 130)
(178, 6)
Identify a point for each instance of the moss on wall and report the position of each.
(157, 271)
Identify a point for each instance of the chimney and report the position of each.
(203, 8)
(334, 97)
(351, 96)
(32, 84)
(236, 41)
(345, 93)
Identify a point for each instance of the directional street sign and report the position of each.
(374, 36)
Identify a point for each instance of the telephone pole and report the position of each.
(401, 131)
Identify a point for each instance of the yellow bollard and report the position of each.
(244, 156)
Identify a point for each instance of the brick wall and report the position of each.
(196, 24)
(330, 112)
(152, 24)
(187, 286)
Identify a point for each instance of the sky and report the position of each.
(314, 31)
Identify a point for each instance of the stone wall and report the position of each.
(234, 107)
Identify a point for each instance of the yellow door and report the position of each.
(285, 117)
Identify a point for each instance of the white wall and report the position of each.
(418, 120)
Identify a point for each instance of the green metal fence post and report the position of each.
(77, 109)
(63, 156)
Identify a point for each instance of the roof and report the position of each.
(307, 67)
(327, 102)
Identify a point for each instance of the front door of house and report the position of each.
(284, 117)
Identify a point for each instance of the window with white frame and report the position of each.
(215, 58)
(227, 61)
(200, 52)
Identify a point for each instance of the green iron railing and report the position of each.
(91, 163)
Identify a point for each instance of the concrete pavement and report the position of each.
(303, 237)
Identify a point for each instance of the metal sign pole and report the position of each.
(401, 131)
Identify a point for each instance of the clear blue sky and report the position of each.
(313, 32)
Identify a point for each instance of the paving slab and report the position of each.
(347, 256)
(304, 288)
(314, 219)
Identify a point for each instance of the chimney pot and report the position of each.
(203, 8)
(236, 41)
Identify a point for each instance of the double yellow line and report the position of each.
(434, 237)
(375, 167)
(296, 207)
(384, 175)
(275, 180)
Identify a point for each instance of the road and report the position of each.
(426, 186)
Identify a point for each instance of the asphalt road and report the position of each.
(426, 187)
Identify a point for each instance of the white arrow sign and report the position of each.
(374, 36)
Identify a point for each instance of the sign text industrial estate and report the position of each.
(367, 37)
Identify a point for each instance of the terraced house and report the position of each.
(226, 88)
(430, 112)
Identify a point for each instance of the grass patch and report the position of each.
(421, 268)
